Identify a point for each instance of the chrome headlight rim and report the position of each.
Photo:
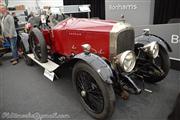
(126, 60)
(152, 49)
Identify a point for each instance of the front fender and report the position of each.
(98, 64)
(145, 39)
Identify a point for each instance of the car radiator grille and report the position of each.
(125, 41)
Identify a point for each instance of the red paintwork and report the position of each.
(68, 36)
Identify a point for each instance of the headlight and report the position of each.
(126, 61)
(152, 49)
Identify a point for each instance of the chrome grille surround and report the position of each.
(118, 29)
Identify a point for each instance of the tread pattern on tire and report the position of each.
(38, 34)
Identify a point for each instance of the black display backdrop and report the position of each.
(97, 7)
(166, 10)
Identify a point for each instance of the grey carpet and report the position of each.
(24, 89)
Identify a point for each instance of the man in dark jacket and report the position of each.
(16, 20)
(9, 32)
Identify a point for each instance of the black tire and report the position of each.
(103, 107)
(164, 63)
(38, 45)
(27, 60)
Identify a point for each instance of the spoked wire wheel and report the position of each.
(96, 96)
(90, 92)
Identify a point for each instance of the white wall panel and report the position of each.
(137, 12)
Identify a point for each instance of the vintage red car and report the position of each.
(105, 56)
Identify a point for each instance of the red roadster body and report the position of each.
(67, 37)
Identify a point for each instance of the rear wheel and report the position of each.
(38, 45)
(96, 96)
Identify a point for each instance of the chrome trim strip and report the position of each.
(175, 59)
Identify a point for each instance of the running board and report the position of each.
(49, 67)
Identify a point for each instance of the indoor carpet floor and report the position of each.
(24, 90)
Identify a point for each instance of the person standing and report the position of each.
(9, 32)
(16, 23)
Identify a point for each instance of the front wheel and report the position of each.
(96, 96)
